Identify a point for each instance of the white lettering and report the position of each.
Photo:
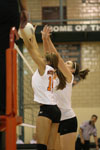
(55, 28)
(69, 28)
(78, 27)
(84, 27)
(98, 28)
(62, 28)
(93, 27)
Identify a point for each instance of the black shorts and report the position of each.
(50, 111)
(68, 126)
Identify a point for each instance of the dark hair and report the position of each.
(94, 116)
(62, 80)
(81, 73)
(53, 59)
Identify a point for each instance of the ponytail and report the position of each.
(62, 80)
(81, 74)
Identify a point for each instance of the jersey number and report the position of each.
(50, 82)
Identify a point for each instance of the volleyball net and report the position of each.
(27, 108)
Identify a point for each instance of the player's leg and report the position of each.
(43, 126)
(56, 114)
(52, 136)
(68, 141)
(68, 131)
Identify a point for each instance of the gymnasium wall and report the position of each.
(86, 94)
(78, 10)
(75, 9)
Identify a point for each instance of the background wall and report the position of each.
(75, 9)
(86, 95)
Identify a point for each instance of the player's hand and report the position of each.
(23, 18)
(97, 147)
(46, 32)
(82, 141)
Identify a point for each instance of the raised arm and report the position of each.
(45, 35)
(32, 47)
(24, 13)
(49, 46)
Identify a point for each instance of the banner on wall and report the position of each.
(72, 28)
(71, 33)
(75, 28)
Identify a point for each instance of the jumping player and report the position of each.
(68, 123)
(42, 83)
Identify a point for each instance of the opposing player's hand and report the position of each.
(23, 18)
(26, 40)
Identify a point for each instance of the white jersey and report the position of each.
(63, 98)
(43, 86)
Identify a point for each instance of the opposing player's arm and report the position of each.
(23, 13)
(32, 47)
(23, 5)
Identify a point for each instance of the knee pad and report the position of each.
(41, 147)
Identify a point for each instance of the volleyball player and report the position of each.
(68, 123)
(42, 83)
